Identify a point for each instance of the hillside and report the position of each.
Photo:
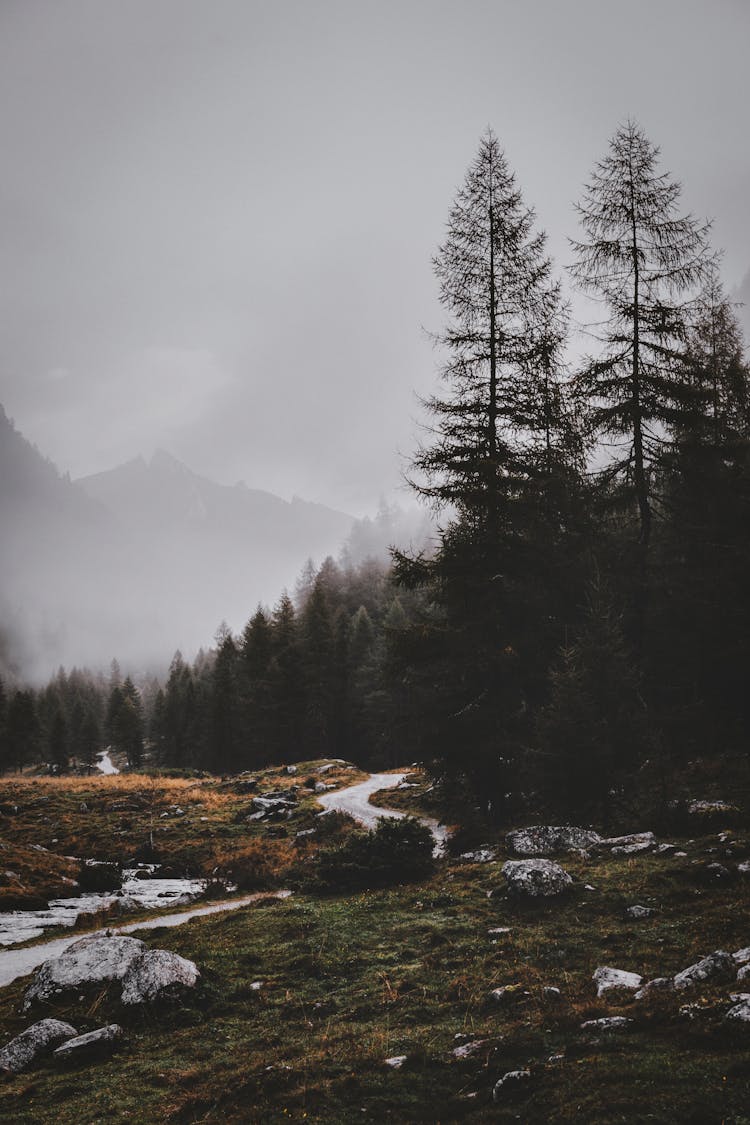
(412, 1002)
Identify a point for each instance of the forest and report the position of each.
(576, 630)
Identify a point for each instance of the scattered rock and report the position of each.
(716, 965)
(395, 1062)
(536, 878)
(468, 1049)
(608, 979)
(510, 1081)
(607, 1023)
(94, 1045)
(35, 1041)
(543, 840)
(481, 855)
(156, 975)
(637, 912)
(658, 984)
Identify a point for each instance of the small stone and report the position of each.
(482, 855)
(680, 855)
(467, 1049)
(607, 1023)
(508, 992)
(742, 956)
(498, 931)
(744, 973)
(396, 1061)
(512, 1079)
(551, 993)
(639, 840)
(740, 1013)
(637, 912)
(608, 979)
(664, 849)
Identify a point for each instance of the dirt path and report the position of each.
(356, 801)
(16, 963)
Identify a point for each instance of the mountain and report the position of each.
(138, 561)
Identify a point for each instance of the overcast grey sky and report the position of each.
(217, 216)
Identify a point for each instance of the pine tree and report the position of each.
(642, 259)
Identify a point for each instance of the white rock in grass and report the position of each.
(740, 1013)
(35, 1041)
(717, 964)
(742, 956)
(157, 974)
(95, 959)
(95, 1044)
(536, 878)
(607, 1023)
(395, 1062)
(608, 979)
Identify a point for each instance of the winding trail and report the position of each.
(16, 963)
(355, 800)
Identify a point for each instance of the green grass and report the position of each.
(351, 981)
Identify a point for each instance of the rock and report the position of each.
(468, 1049)
(508, 1082)
(740, 1013)
(395, 1062)
(508, 992)
(658, 984)
(703, 809)
(744, 973)
(640, 841)
(272, 806)
(743, 868)
(636, 848)
(608, 979)
(291, 770)
(499, 931)
(95, 959)
(551, 994)
(35, 1041)
(482, 855)
(543, 840)
(664, 849)
(321, 787)
(717, 965)
(638, 912)
(536, 878)
(156, 975)
(94, 1045)
(742, 956)
(607, 1023)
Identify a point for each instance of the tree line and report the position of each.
(581, 611)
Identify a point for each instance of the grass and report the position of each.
(349, 981)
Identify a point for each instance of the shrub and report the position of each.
(397, 851)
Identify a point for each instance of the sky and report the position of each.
(217, 217)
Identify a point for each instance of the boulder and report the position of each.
(740, 1013)
(744, 973)
(717, 965)
(742, 956)
(510, 1081)
(608, 979)
(543, 840)
(156, 975)
(395, 1062)
(93, 1045)
(633, 843)
(536, 878)
(95, 959)
(658, 984)
(35, 1041)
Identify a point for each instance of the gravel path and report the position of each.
(356, 801)
(16, 963)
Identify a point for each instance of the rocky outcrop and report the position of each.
(33, 1043)
(93, 1045)
(545, 840)
(536, 878)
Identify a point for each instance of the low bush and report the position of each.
(397, 851)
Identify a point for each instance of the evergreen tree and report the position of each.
(225, 750)
(642, 259)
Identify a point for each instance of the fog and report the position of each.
(217, 224)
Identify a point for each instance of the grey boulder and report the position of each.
(536, 878)
(35, 1041)
(95, 959)
(93, 1045)
(608, 979)
(157, 974)
(547, 839)
(717, 965)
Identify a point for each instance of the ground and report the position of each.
(350, 981)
